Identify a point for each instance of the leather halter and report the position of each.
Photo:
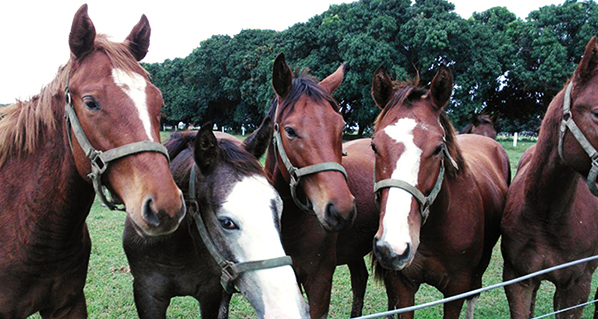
(295, 174)
(101, 159)
(229, 270)
(568, 122)
(424, 201)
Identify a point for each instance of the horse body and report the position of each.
(310, 128)
(44, 189)
(549, 218)
(466, 179)
(179, 264)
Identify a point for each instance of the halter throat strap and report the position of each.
(230, 271)
(568, 123)
(295, 174)
(100, 159)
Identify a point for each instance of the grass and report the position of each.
(109, 288)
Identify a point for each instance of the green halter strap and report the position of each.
(101, 159)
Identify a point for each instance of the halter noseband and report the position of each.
(424, 201)
(101, 159)
(295, 174)
(568, 122)
(229, 270)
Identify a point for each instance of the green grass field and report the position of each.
(110, 294)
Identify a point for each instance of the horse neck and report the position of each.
(54, 200)
(549, 181)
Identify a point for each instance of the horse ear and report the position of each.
(441, 88)
(588, 63)
(475, 119)
(282, 76)
(334, 80)
(381, 87)
(494, 118)
(206, 149)
(257, 143)
(139, 38)
(83, 33)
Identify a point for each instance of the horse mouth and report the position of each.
(389, 259)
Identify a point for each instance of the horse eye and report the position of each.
(437, 150)
(91, 103)
(227, 223)
(290, 132)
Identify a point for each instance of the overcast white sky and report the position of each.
(34, 33)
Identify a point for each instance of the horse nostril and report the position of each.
(149, 215)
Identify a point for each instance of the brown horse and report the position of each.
(441, 196)
(241, 212)
(482, 124)
(304, 167)
(46, 179)
(550, 214)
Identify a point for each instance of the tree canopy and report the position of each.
(501, 64)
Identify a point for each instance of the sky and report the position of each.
(34, 33)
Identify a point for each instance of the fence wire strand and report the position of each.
(483, 289)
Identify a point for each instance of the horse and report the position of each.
(481, 124)
(93, 129)
(440, 195)
(550, 214)
(304, 166)
(241, 212)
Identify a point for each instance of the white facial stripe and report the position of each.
(250, 205)
(134, 85)
(398, 205)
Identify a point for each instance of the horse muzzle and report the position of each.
(389, 259)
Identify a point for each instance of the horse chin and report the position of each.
(393, 263)
(146, 230)
(331, 221)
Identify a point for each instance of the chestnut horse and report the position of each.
(441, 195)
(304, 166)
(47, 180)
(241, 213)
(550, 214)
(481, 124)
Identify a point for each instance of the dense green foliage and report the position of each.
(501, 63)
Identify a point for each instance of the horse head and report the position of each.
(241, 212)
(483, 124)
(111, 103)
(578, 138)
(411, 146)
(308, 138)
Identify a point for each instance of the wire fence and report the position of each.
(495, 286)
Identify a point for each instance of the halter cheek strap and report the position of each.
(100, 159)
(424, 201)
(568, 123)
(295, 174)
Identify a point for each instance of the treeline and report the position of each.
(501, 63)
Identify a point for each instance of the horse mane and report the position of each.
(24, 123)
(237, 157)
(306, 84)
(407, 93)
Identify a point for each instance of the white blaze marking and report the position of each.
(398, 205)
(250, 205)
(133, 85)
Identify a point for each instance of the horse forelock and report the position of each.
(306, 85)
(405, 96)
(23, 124)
